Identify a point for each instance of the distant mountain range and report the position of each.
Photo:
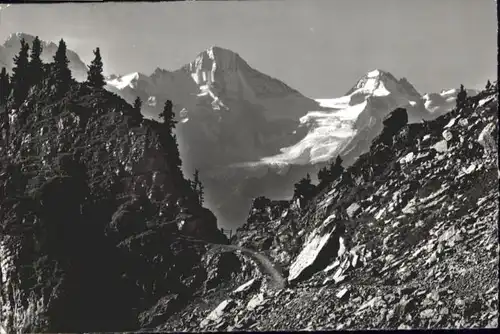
(11, 46)
(228, 112)
(250, 134)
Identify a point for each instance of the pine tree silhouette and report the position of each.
(168, 116)
(304, 189)
(94, 74)
(176, 158)
(62, 71)
(137, 115)
(197, 186)
(461, 97)
(4, 86)
(19, 80)
(323, 175)
(337, 169)
(326, 175)
(36, 65)
(171, 144)
(137, 103)
(488, 85)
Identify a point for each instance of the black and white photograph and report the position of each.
(247, 166)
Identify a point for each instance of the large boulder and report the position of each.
(321, 246)
(221, 268)
(393, 123)
(488, 139)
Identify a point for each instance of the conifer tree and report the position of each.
(168, 116)
(488, 85)
(19, 80)
(36, 64)
(197, 186)
(323, 175)
(62, 71)
(169, 121)
(4, 86)
(304, 188)
(176, 159)
(137, 115)
(137, 104)
(461, 96)
(331, 174)
(337, 169)
(94, 74)
(169, 138)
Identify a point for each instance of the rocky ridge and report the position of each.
(95, 215)
(406, 238)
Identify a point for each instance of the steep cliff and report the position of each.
(94, 216)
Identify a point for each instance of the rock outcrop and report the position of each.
(94, 217)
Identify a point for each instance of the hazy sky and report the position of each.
(320, 47)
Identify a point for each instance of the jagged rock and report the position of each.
(447, 135)
(248, 287)
(342, 293)
(221, 267)
(488, 138)
(218, 312)
(161, 312)
(353, 209)
(256, 301)
(392, 123)
(318, 249)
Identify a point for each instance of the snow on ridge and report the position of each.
(334, 130)
(373, 74)
(127, 80)
(328, 131)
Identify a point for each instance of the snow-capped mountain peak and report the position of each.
(382, 83)
(353, 120)
(15, 39)
(216, 57)
(129, 80)
(218, 79)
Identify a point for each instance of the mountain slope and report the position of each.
(408, 240)
(12, 45)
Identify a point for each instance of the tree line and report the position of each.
(29, 71)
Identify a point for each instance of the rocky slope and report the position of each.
(406, 238)
(94, 218)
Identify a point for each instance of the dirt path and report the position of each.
(265, 264)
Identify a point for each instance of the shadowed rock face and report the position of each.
(393, 122)
(90, 240)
